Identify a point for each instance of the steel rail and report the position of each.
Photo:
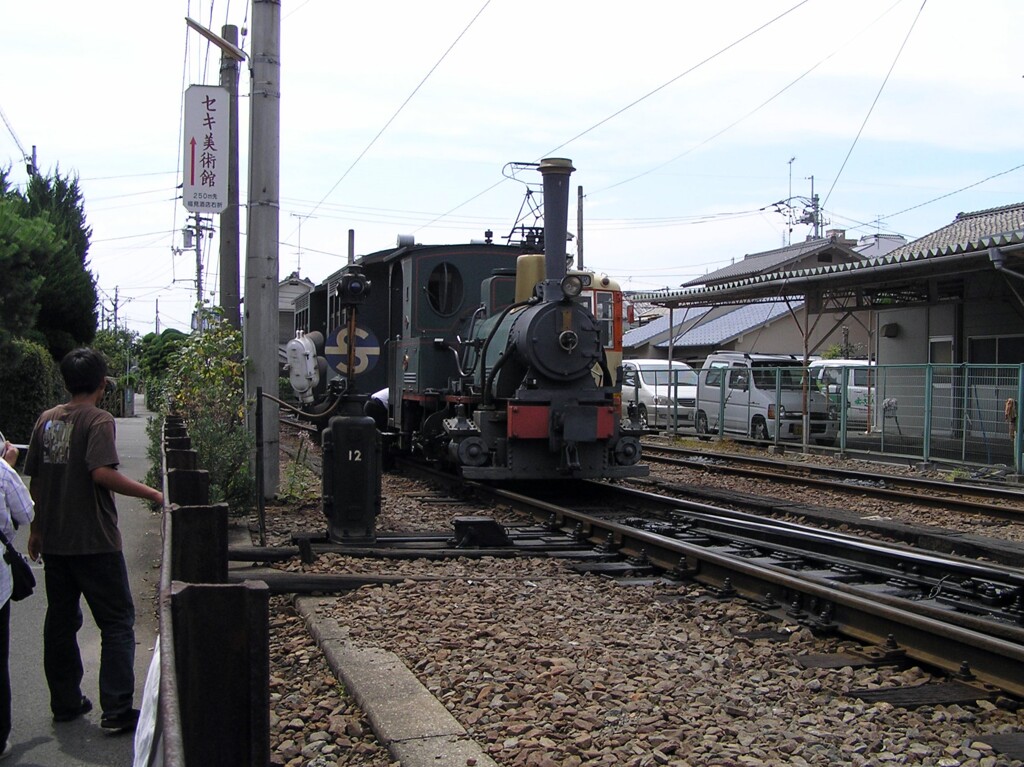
(781, 471)
(994, 660)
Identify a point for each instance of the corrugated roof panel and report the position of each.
(729, 326)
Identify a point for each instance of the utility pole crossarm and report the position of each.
(230, 49)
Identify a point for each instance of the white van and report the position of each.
(860, 388)
(648, 385)
(742, 389)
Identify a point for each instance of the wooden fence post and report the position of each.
(222, 654)
(188, 487)
(199, 543)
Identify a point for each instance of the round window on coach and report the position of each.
(445, 289)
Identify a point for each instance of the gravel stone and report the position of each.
(546, 667)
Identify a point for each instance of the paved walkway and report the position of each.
(36, 740)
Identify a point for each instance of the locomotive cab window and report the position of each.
(604, 312)
(445, 289)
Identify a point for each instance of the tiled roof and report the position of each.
(741, 320)
(759, 263)
(969, 233)
(965, 232)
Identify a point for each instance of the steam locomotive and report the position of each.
(521, 380)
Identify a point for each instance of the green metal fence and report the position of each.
(929, 413)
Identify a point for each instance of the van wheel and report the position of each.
(759, 430)
(702, 426)
(641, 414)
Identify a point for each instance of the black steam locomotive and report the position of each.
(491, 359)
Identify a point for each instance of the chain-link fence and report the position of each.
(948, 413)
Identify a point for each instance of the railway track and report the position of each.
(933, 609)
(509, 615)
(992, 501)
(959, 615)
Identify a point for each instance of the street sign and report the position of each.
(207, 113)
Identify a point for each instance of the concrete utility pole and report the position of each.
(193, 238)
(261, 253)
(230, 297)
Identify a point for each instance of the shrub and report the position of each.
(30, 382)
(205, 385)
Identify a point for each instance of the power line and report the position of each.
(955, 191)
(873, 103)
(400, 108)
(630, 105)
(753, 111)
(661, 87)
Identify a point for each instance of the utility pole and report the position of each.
(158, 316)
(230, 291)
(815, 210)
(193, 239)
(789, 232)
(261, 256)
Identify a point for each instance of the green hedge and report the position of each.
(30, 382)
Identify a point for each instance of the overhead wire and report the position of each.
(404, 103)
(633, 103)
(693, 68)
(878, 95)
(955, 191)
(753, 111)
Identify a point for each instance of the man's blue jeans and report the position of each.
(103, 580)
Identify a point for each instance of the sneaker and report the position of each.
(123, 721)
(6, 750)
(84, 707)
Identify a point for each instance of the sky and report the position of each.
(686, 122)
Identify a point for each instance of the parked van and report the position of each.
(742, 388)
(648, 384)
(860, 388)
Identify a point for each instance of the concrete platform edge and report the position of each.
(406, 718)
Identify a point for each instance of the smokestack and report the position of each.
(556, 172)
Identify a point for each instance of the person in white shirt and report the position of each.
(16, 508)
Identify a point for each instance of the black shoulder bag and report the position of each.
(22, 577)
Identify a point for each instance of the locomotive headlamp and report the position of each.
(572, 285)
(353, 288)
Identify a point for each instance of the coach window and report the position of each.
(604, 311)
(444, 289)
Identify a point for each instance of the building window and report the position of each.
(940, 354)
(999, 350)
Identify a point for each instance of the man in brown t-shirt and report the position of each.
(72, 460)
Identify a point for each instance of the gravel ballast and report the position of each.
(542, 666)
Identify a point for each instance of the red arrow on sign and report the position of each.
(192, 165)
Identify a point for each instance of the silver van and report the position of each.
(860, 388)
(663, 393)
(757, 394)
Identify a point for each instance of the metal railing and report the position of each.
(966, 414)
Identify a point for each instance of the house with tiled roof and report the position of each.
(950, 299)
(774, 326)
(955, 295)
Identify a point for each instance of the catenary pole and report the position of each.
(261, 253)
